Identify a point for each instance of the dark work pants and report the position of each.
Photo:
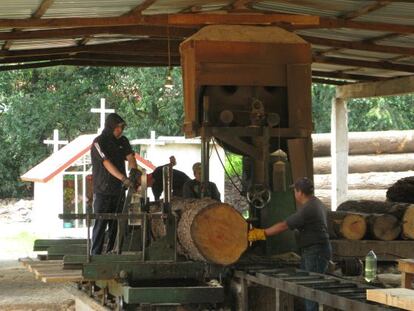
(105, 204)
(315, 258)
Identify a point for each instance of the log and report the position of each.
(402, 190)
(356, 226)
(207, 230)
(364, 181)
(369, 163)
(408, 223)
(384, 227)
(376, 194)
(368, 143)
(348, 225)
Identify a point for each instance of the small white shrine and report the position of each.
(63, 184)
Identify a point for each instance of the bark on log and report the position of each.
(368, 143)
(348, 225)
(369, 163)
(364, 181)
(207, 230)
(377, 195)
(402, 190)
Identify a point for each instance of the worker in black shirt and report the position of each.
(310, 221)
(178, 180)
(109, 152)
(193, 188)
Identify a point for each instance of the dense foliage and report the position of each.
(34, 102)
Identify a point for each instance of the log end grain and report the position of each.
(220, 233)
(386, 227)
(353, 227)
(408, 223)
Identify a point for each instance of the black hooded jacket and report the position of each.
(107, 147)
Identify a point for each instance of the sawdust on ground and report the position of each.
(19, 290)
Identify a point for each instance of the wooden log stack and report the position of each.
(376, 161)
(376, 220)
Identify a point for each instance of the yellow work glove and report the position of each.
(256, 234)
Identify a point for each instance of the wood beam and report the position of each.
(389, 87)
(383, 37)
(344, 75)
(362, 63)
(327, 81)
(141, 7)
(371, 7)
(327, 22)
(141, 30)
(163, 19)
(155, 59)
(43, 7)
(40, 11)
(358, 45)
(75, 63)
(139, 47)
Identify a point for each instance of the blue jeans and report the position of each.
(315, 258)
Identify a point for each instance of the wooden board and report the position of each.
(406, 265)
(396, 297)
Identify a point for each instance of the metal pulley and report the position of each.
(258, 196)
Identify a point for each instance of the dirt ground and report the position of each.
(19, 290)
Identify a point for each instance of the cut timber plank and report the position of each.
(406, 265)
(61, 278)
(396, 297)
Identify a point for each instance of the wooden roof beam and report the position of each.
(163, 19)
(371, 7)
(141, 7)
(140, 30)
(362, 63)
(40, 11)
(327, 81)
(344, 75)
(390, 87)
(75, 63)
(358, 45)
(149, 47)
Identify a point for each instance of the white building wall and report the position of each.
(48, 204)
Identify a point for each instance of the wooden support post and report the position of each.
(339, 152)
(284, 301)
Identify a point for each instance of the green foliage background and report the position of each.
(34, 102)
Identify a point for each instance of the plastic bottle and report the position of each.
(370, 266)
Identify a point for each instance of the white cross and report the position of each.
(102, 112)
(55, 141)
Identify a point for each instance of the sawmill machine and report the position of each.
(248, 88)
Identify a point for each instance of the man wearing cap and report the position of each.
(109, 152)
(193, 188)
(155, 180)
(310, 221)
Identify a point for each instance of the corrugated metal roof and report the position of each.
(398, 13)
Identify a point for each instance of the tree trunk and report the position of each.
(377, 195)
(207, 230)
(364, 181)
(408, 223)
(368, 143)
(369, 163)
(351, 226)
(402, 190)
(384, 227)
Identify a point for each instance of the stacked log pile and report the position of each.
(376, 220)
(376, 161)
